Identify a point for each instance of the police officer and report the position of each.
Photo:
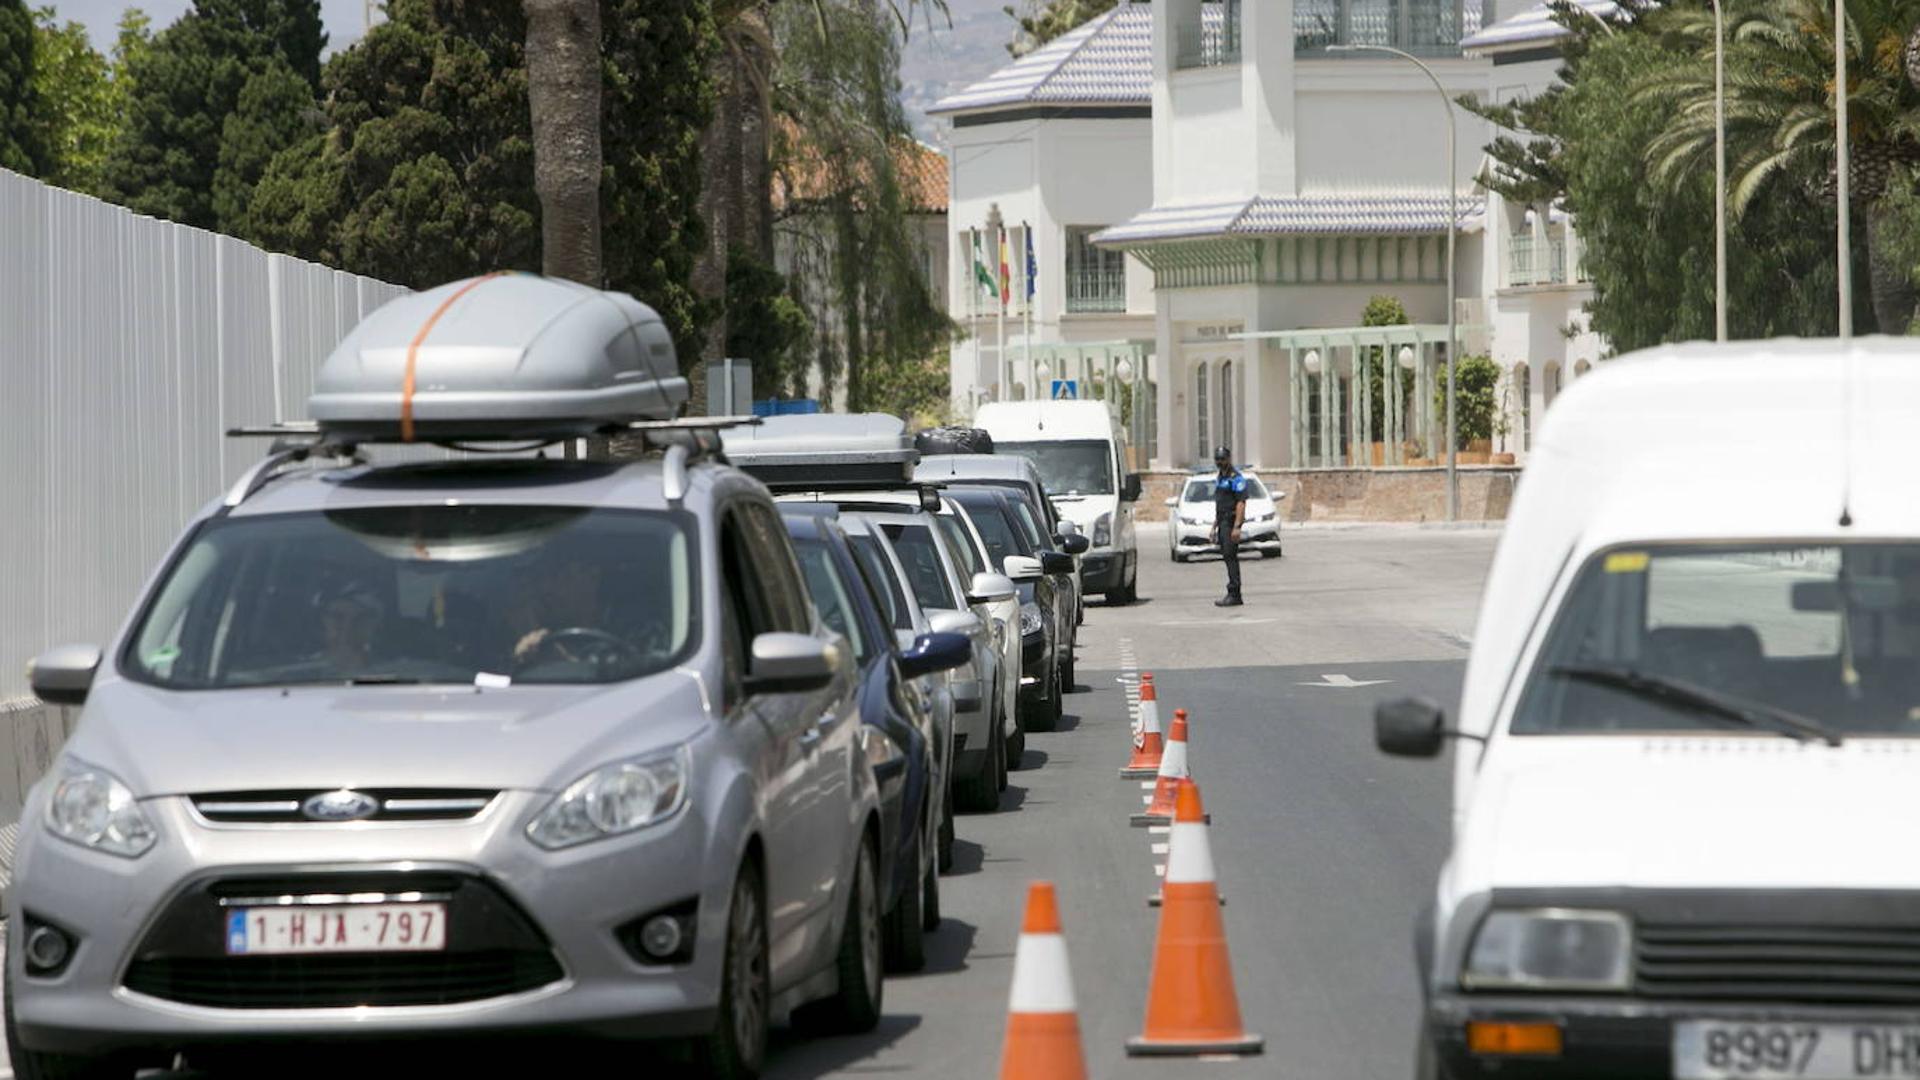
(1229, 514)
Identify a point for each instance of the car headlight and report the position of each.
(92, 808)
(1030, 621)
(613, 800)
(1186, 519)
(1103, 530)
(1550, 949)
(1263, 517)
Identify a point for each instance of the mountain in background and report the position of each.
(936, 62)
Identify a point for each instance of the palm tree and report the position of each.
(736, 149)
(563, 87)
(1780, 116)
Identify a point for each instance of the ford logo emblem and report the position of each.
(342, 805)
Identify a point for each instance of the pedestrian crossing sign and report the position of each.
(1066, 390)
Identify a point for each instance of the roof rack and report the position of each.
(683, 440)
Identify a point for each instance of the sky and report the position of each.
(344, 18)
(934, 62)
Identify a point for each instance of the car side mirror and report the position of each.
(1068, 528)
(953, 622)
(1409, 727)
(63, 675)
(1130, 491)
(933, 653)
(1056, 562)
(1023, 568)
(792, 663)
(991, 589)
(1074, 543)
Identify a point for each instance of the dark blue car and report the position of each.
(899, 730)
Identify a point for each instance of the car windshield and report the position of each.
(886, 588)
(831, 594)
(921, 559)
(1200, 490)
(997, 531)
(422, 594)
(1068, 467)
(1822, 639)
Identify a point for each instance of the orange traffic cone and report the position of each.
(1146, 742)
(1043, 1029)
(1191, 1004)
(1173, 769)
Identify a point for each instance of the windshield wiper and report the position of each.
(1678, 692)
(384, 680)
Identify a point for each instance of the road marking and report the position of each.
(1160, 849)
(1149, 785)
(1159, 869)
(1343, 682)
(1159, 830)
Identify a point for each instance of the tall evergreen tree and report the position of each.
(168, 161)
(1048, 19)
(20, 148)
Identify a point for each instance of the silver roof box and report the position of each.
(825, 451)
(500, 357)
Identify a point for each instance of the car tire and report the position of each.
(945, 858)
(904, 935)
(980, 793)
(1427, 1063)
(930, 899)
(1017, 747)
(855, 1006)
(1000, 755)
(737, 1047)
(1047, 712)
(1068, 682)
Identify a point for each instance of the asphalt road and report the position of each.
(1325, 848)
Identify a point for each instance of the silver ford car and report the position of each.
(451, 748)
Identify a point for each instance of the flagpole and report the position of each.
(996, 235)
(1026, 243)
(973, 305)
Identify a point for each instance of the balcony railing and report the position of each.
(1533, 261)
(1215, 42)
(1421, 27)
(1096, 289)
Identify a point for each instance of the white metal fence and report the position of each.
(127, 347)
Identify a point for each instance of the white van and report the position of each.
(1080, 448)
(1688, 749)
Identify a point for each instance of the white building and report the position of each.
(1215, 192)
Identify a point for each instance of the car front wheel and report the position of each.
(737, 1046)
(33, 1065)
(906, 926)
(856, 1006)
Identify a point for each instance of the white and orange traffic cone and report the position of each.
(1192, 1007)
(1173, 769)
(1043, 1026)
(1147, 748)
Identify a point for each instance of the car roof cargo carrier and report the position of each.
(498, 358)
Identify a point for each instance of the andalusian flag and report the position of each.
(1006, 273)
(983, 277)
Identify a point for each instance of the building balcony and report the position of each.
(1422, 27)
(1215, 42)
(1096, 291)
(1534, 261)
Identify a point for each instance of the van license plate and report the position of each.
(345, 928)
(1713, 1050)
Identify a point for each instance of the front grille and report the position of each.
(1810, 964)
(493, 948)
(283, 806)
(308, 982)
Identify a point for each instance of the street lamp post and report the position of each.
(1453, 228)
(1840, 166)
(1719, 178)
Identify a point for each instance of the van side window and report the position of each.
(744, 608)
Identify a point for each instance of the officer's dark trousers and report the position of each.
(1230, 551)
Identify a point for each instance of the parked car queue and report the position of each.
(511, 743)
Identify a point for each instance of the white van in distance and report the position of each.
(1688, 748)
(1080, 448)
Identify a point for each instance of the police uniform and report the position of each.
(1229, 493)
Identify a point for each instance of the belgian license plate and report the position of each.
(1715, 1050)
(345, 928)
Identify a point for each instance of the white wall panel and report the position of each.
(127, 347)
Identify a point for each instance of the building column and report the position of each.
(1170, 400)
